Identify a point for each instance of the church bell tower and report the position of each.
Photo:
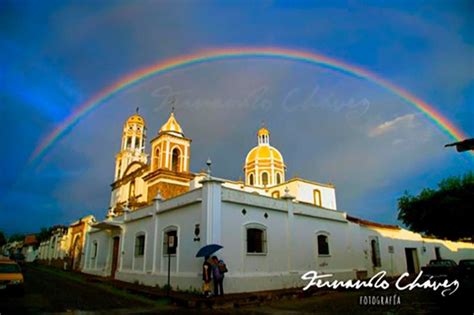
(170, 156)
(132, 148)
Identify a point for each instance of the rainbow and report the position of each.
(235, 53)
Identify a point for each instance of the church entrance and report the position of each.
(411, 256)
(115, 255)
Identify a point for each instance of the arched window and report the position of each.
(375, 251)
(317, 197)
(175, 160)
(264, 178)
(118, 168)
(129, 142)
(94, 250)
(140, 245)
(156, 159)
(131, 192)
(170, 241)
(278, 178)
(256, 236)
(251, 179)
(323, 245)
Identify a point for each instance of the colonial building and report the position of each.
(65, 247)
(272, 229)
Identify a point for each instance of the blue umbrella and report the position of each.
(208, 250)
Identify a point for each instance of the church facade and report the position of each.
(272, 229)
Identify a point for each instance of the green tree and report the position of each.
(16, 237)
(3, 239)
(45, 233)
(445, 212)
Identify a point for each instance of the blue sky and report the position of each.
(329, 126)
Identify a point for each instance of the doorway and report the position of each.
(411, 256)
(76, 254)
(115, 255)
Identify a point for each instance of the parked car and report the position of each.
(440, 268)
(466, 268)
(18, 257)
(11, 277)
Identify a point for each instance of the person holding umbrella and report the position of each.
(207, 267)
(207, 276)
(218, 270)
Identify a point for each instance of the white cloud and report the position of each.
(389, 125)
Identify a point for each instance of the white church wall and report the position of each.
(97, 261)
(234, 225)
(181, 213)
(395, 262)
(290, 247)
(341, 258)
(291, 230)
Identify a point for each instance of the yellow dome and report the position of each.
(263, 132)
(263, 152)
(264, 165)
(136, 119)
(172, 126)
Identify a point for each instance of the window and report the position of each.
(276, 194)
(317, 197)
(131, 192)
(375, 252)
(251, 179)
(175, 160)
(265, 179)
(156, 159)
(94, 249)
(139, 245)
(118, 168)
(323, 245)
(129, 142)
(171, 237)
(256, 240)
(278, 179)
(437, 253)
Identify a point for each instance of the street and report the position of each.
(49, 290)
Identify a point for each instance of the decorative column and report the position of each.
(157, 200)
(211, 215)
(290, 226)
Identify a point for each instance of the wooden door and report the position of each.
(115, 255)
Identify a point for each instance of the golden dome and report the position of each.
(264, 165)
(263, 152)
(172, 126)
(135, 119)
(263, 132)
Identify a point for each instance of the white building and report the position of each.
(273, 230)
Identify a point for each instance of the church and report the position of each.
(272, 229)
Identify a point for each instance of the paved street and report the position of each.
(52, 291)
(48, 292)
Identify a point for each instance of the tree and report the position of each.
(16, 237)
(446, 212)
(3, 239)
(45, 233)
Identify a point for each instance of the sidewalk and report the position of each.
(189, 300)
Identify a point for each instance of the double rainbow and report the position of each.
(236, 53)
